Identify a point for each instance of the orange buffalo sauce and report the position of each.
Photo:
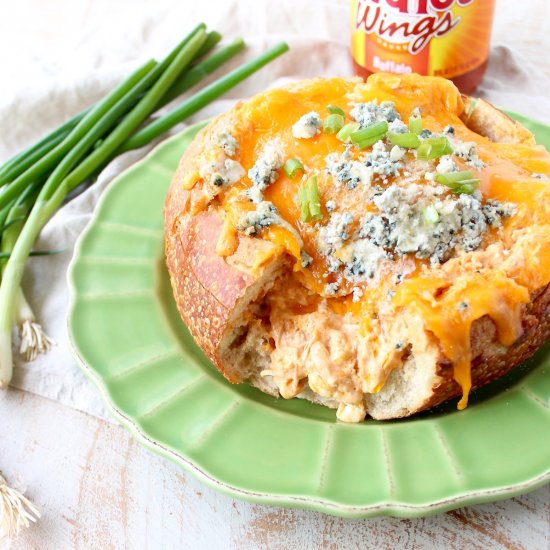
(448, 38)
(495, 281)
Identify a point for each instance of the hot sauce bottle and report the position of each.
(448, 38)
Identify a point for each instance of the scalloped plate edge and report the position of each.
(389, 508)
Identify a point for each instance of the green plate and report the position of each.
(128, 336)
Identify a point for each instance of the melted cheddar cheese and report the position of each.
(494, 279)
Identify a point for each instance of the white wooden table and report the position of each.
(98, 488)
(106, 491)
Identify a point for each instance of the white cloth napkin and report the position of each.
(74, 69)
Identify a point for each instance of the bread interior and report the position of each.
(285, 341)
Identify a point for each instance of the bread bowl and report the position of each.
(378, 279)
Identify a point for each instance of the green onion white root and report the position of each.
(16, 511)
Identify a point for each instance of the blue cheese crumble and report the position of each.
(369, 113)
(397, 153)
(350, 173)
(222, 172)
(405, 224)
(334, 233)
(402, 226)
(361, 259)
(380, 161)
(467, 150)
(265, 170)
(228, 143)
(253, 222)
(308, 125)
(398, 127)
(266, 214)
(446, 165)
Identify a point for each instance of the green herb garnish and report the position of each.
(333, 124)
(365, 137)
(459, 182)
(415, 124)
(335, 110)
(408, 140)
(430, 214)
(308, 199)
(292, 167)
(433, 148)
(345, 133)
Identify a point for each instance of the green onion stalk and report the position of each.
(200, 99)
(18, 164)
(292, 166)
(107, 130)
(33, 339)
(68, 174)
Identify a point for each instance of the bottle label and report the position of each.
(431, 37)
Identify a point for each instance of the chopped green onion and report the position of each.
(467, 188)
(292, 167)
(408, 140)
(370, 131)
(308, 199)
(459, 182)
(365, 137)
(454, 178)
(367, 142)
(430, 214)
(335, 110)
(345, 133)
(333, 124)
(415, 124)
(433, 148)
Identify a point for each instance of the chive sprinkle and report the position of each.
(309, 202)
(345, 133)
(333, 124)
(459, 182)
(335, 110)
(365, 137)
(292, 167)
(415, 124)
(430, 214)
(433, 148)
(408, 140)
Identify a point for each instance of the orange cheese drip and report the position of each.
(449, 309)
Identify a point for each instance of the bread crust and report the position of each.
(485, 119)
(488, 366)
(208, 288)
